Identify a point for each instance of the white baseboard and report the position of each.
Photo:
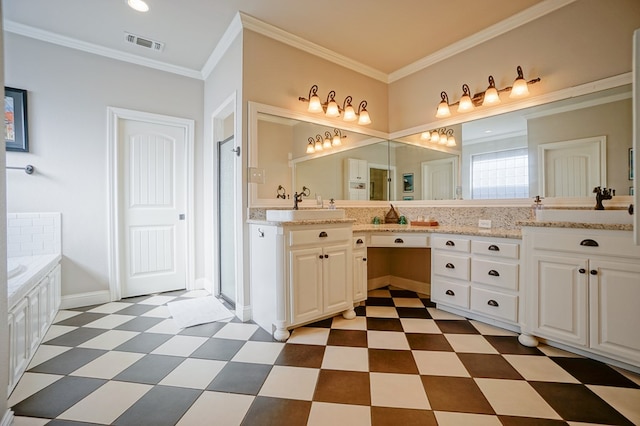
(243, 313)
(7, 419)
(79, 300)
(404, 283)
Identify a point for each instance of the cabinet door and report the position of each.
(614, 292)
(357, 169)
(34, 316)
(559, 306)
(337, 278)
(44, 310)
(305, 282)
(20, 343)
(359, 275)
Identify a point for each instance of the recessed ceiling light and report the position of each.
(138, 5)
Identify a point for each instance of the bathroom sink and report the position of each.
(585, 216)
(303, 214)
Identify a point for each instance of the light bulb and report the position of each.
(491, 96)
(443, 110)
(138, 5)
(425, 136)
(435, 136)
(451, 141)
(443, 139)
(318, 145)
(349, 113)
(327, 143)
(332, 109)
(364, 117)
(310, 148)
(520, 88)
(314, 104)
(337, 140)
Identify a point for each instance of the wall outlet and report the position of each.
(256, 175)
(484, 223)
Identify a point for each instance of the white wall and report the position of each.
(68, 95)
(4, 328)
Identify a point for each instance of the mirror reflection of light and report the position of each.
(138, 5)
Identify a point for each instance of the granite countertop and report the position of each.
(576, 225)
(462, 230)
(301, 222)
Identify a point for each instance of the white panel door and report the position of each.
(439, 179)
(152, 207)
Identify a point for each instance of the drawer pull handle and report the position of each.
(260, 233)
(493, 247)
(593, 272)
(494, 273)
(364, 259)
(589, 243)
(326, 256)
(449, 293)
(323, 235)
(450, 266)
(582, 270)
(359, 241)
(492, 302)
(450, 243)
(399, 241)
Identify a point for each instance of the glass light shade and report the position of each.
(332, 109)
(443, 139)
(435, 136)
(138, 5)
(310, 148)
(337, 140)
(491, 96)
(364, 117)
(443, 110)
(451, 141)
(425, 136)
(318, 146)
(327, 143)
(465, 104)
(349, 114)
(314, 104)
(520, 89)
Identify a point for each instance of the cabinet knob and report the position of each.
(449, 293)
(582, 270)
(450, 243)
(492, 302)
(364, 259)
(326, 256)
(593, 272)
(323, 235)
(589, 243)
(320, 257)
(449, 266)
(494, 273)
(493, 247)
(399, 241)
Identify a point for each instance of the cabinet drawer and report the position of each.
(450, 293)
(452, 266)
(496, 249)
(318, 236)
(399, 240)
(451, 244)
(491, 272)
(605, 243)
(359, 242)
(495, 304)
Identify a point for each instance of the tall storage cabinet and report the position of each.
(357, 179)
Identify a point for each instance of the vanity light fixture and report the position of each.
(491, 96)
(337, 137)
(138, 5)
(451, 140)
(332, 109)
(310, 147)
(329, 141)
(442, 136)
(318, 144)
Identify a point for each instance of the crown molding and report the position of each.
(47, 36)
(230, 34)
(513, 22)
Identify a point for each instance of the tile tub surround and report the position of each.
(32, 234)
(34, 268)
(501, 217)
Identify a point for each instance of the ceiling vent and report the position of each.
(156, 46)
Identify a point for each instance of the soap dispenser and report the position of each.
(537, 205)
(332, 204)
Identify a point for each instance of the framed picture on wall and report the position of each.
(407, 182)
(15, 120)
(630, 163)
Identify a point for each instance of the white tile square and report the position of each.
(196, 293)
(381, 312)
(63, 315)
(110, 308)
(29, 384)
(159, 312)
(108, 365)
(324, 413)
(539, 369)
(625, 400)
(309, 336)
(379, 293)
(446, 418)
(109, 340)
(168, 326)
(157, 300)
(551, 351)
(358, 323)
(515, 398)
(398, 390)
(57, 331)
(290, 382)
(439, 314)
(470, 343)
(45, 353)
(194, 373)
(408, 302)
(259, 352)
(436, 363)
(107, 403)
(236, 331)
(420, 325)
(490, 330)
(387, 340)
(180, 346)
(345, 358)
(229, 409)
(110, 321)
(29, 421)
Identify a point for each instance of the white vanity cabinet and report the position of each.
(356, 174)
(359, 266)
(477, 277)
(300, 274)
(583, 290)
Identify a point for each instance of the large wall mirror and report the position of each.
(562, 149)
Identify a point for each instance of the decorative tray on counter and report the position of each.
(425, 223)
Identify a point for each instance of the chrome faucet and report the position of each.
(603, 194)
(297, 198)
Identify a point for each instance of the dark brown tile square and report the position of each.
(343, 387)
(405, 312)
(428, 303)
(428, 342)
(301, 356)
(456, 327)
(325, 323)
(592, 372)
(489, 366)
(392, 361)
(379, 301)
(383, 416)
(575, 402)
(266, 411)
(529, 421)
(354, 338)
(460, 394)
(384, 324)
(510, 345)
(361, 311)
(403, 293)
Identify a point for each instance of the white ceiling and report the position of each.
(385, 36)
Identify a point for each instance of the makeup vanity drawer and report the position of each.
(495, 249)
(399, 240)
(452, 266)
(451, 244)
(494, 303)
(498, 274)
(319, 235)
(450, 293)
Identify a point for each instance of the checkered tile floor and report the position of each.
(401, 361)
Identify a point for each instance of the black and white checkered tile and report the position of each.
(401, 361)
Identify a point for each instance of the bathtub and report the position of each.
(25, 272)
